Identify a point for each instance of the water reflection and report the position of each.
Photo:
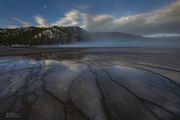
(57, 56)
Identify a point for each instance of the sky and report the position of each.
(145, 17)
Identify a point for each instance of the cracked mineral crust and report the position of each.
(94, 85)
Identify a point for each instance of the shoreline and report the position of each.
(15, 51)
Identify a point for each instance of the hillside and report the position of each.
(40, 36)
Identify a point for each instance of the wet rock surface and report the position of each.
(95, 86)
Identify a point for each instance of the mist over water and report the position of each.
(126, 43)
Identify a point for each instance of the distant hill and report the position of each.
(54, 35)
(112, 35)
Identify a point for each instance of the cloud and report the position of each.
(22, 22)
(164, 20)
(42, 22)
(161, 21)
(97, 23)
(71, 19)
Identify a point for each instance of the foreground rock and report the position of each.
(89, 88)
